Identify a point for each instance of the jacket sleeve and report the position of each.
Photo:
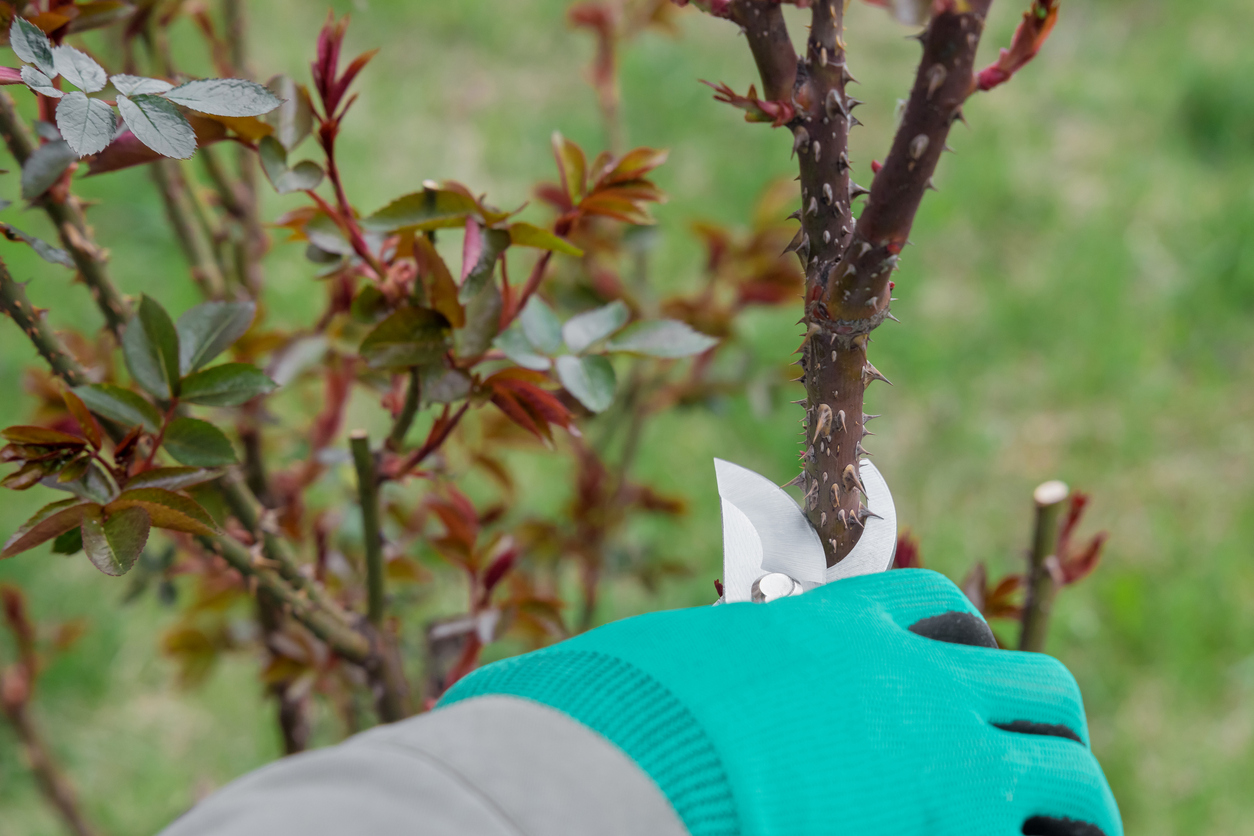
(490, 766)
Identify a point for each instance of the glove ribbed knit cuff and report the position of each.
(634, 712)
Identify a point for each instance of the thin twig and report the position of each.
(13, 302)
(204, 267)
(1049, 497)
(71, 226)
(326, 625)
(405, 419)
(368, 495)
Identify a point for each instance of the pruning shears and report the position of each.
(771, 551)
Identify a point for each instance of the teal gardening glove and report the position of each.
(874, 705)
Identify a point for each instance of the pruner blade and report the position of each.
(765, 532)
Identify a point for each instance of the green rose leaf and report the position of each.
(39, 82)
(206, 330)
(32, 45)
(667, 338)
(44, 167)
(530, 235)
(407, 337)
(150, 346)
(158, 124)
(292, 120)
(590, 379)
(114, 544)
(134, 85)
(86, 124)
(121, 405)
(224, 97)
(198, 443)
(79, 69)
(424, 210)
(541, 325)
(71, 542)
(582, 330)
(518, 348)
(49, 253)
(229, 384)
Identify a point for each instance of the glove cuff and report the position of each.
(633, 711)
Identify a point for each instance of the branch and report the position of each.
(323, 623)
(767, 33)
(16, 684)
(405, 419)
(204, 267)
(1042, 565)
(856, 296)
(71, 226)
(368, 493)
(13, 302)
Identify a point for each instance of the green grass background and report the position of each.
(1078, 305)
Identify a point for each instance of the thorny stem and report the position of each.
(1049, 499)
(67, 217)
(55, 787)
(848, 264)
(405, 419)
(368, 495)
(13, 302)
(323, 623)
(204, 267)
(244, 508)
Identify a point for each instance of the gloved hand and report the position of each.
(875, 705)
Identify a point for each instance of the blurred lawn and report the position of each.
(1084, 313)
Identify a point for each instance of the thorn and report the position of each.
(918, 146)
(844, 518)
(866, 432)
(860, 451)
(827, 193)
(833, 105)
(796, 242)
(851, 102)
(843, 159)
(822, 56)
(795, 216)
(947, 147)
(854, 121)
(930, 186)
(840, 423)
(827, 237)
(823, 426)
(936, 76)
(850, 478)
(799, 140)
(797, 481)
(834, 492)
(813, 208)
(855, 519)
(823, 518)
(817, 149)
(865, 512)
(889, 314)
(846, 77)
(959, 116)
(869, 371)
(825, 477)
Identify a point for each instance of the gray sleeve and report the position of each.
(489, 766)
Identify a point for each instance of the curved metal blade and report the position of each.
(877, 546)
(764, 530)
